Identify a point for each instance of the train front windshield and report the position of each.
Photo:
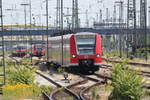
(39, 47)
(85, 44)
(20, 48)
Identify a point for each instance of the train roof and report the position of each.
(59, 37)
(85, 33)
(69, 35)
(21, 45)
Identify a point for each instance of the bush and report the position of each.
(21, 75)
(127, 84)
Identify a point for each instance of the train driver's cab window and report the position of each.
(85, 44)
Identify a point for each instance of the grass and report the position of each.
(95, 93)
(46, 89)
(21, 91)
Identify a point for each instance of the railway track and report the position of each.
(78, 90)
(144, 73)
(83, 93)
(98, 81)
(82, 86)
(130, 63)
(66, 90)
(61, 90)
(75, 91)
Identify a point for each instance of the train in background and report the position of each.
(38, 50)
(22, 50)
(82, 51)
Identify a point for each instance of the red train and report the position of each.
(24, 49)
(82, 50)
(20, 50)
(38, 50)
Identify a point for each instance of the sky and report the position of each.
(38, 10)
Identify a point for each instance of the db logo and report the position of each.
(86, 56)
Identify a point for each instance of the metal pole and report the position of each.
(73, 14)
(100, 14)
(120, 17)
(62, 30)
(143, 22)
(76, 14)
(146, 56)
(2, 29)
(57, 14)
(68, 18)
(25, 17)
(149, 16)
(135, 35)
(127, 29)
(87, 19)
(11, 9)
(107, 16)
(11, 35)
(47, 28)
(30, 30)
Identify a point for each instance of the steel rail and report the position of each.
(130, 63)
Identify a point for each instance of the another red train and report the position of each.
(38, 50)
(20, 50)
(82, 50)
(24, 49)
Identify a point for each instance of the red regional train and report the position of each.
(20, 50)
(38, 50)
(82, 50)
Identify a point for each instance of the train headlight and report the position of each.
(98, 56)
(73, 56)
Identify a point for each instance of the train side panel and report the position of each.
(55, 49)
(66, 51)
